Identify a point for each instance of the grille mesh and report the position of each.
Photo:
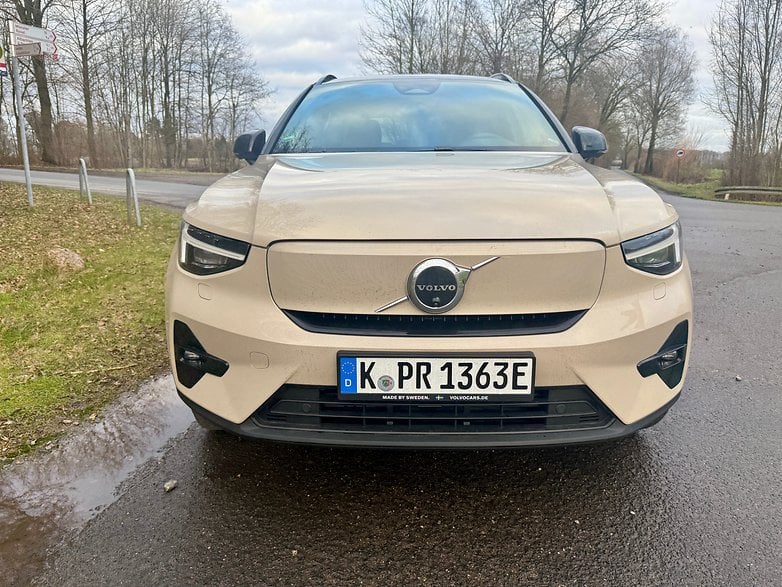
(442, 325)
(319, 408)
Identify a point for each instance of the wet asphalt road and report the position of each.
(176, 194)
(695, 500)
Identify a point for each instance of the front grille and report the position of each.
(319, 409)
(444, 325)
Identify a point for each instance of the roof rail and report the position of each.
(504, 77)
(324, 79)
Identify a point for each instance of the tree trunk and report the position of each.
(92, 150)
(32, 12)
(45, 134)
(568, 95)
(17, 114)
(638, 151)
(649, 167)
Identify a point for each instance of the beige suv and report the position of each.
(428, 261)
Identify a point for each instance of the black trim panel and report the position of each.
(670, 371)
(434, 325)
(190, 370)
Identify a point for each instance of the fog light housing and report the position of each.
(192, 361)
(668, 362)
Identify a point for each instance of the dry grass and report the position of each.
(70, 341)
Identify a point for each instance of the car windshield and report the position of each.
(417, 114)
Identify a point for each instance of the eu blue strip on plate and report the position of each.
(348, 377)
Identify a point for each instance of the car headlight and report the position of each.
(659, 253)
(206, 253)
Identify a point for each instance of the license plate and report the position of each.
(443, 378)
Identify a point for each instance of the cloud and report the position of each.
(296, 42)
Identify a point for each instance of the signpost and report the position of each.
(27, 41)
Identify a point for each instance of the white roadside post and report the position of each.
(132, 197)
(29, 40)
(84, 181)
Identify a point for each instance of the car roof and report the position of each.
(331, 80)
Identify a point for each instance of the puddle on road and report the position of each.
(51, 493)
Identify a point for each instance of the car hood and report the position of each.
(428, 196)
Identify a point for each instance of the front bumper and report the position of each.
(255, 428)
(235, 319)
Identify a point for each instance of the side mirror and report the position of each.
(590, 143)
(249, 146)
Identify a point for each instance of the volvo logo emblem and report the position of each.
(437, 285)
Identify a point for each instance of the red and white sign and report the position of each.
(32, 41)
(680, 153)
(3, 64)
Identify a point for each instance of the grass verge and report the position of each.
(703, 190)
(71, 341)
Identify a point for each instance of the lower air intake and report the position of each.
(555, 409)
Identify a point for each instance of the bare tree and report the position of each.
(746, 39)
(636, 122)
(138, 87)
(83, 24)
(666, 84)
(612, 83)
(392, 42)
(544, 19)
(498, 25)
(584, 32)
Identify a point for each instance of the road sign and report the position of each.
(35, 49)
(23, 34)
(3, 64)
(680, 153)
(28, 50)
(29, 41)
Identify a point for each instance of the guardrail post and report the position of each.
(132, 197)
(84, 181)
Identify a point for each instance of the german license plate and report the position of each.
(443, 378)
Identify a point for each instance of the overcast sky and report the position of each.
(295, 42)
